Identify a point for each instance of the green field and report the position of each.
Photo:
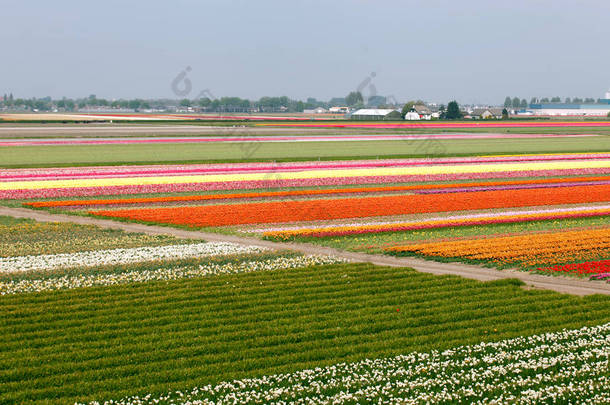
(21, 237)
(102, 343)
(75, 155)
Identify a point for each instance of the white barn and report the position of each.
(373, 113)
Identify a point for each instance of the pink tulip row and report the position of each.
(267, 184)
(170, 170)
(438, 124)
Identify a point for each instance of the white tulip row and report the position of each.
(93, 280)
(121, 256)
(570, 366)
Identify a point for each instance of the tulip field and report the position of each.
(371, 205)
(213, 304)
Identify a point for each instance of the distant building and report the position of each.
(338, 110)
(412, 115)
(373, 114)
(599, 109)
(424, 112)
(318, 110)
(487, 113)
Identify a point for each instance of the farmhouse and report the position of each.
(424, 112)
(487, 113)
(376, 114)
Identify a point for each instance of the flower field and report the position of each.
(360, 204)
(524, 250)
(516, 371)
(327, 209)
(108, 275)
(30, 238)
(45, 183)
(97, 316)
(148, 339)
(119, 256)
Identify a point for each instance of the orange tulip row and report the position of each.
(324, 209)
(525, 250)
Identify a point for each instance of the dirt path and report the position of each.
(560, 284)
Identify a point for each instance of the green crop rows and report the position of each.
(21, 237)
(110, 342)
(79, 155)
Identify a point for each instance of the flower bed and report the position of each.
(324, 209)
(452, 221)
(163, 272)
(121, 256)
(569, 366)
(580, 269)
(524, 250)
(434, 188)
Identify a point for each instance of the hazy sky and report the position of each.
(473, 51)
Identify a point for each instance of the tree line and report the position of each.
(516, 102)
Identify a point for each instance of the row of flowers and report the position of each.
(276, 180)
(121, 256)
(598, 267)
(437, 124)
(569, 366)
(156, 170)
(70, 281)
(449, 222)
(525, 250)
(509, 187)
(432, 169)
(326, 209)
(433, 188)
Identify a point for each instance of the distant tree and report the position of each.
(70, 105)
(335, 101)
(589, 100)
(556, 100)
(504, 114)
(516, 102)
(577, 100)
(134, 104)
(568, 100)
(534, 100)
(185, 102)
(523, 103)
(353, 98)
(10, 97)
(608, 115)
(508, 102)
(544, 100)
(453, 111)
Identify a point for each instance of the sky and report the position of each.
(474, 51)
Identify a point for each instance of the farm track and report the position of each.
(555, 283)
